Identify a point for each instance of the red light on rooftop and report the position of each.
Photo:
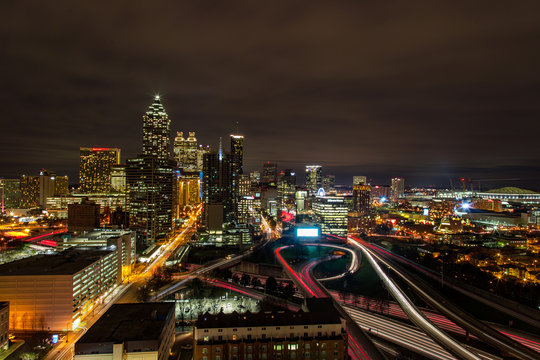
(100, 149)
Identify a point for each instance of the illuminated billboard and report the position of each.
(307, 232)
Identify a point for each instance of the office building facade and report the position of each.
(95, 172)
(362, 199)
(313, 178)
(10, 191)
(331, 213)
(156, 132)
(397, 189)
(186, 151)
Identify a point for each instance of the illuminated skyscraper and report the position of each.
(329, 183)
(398, 189)
(359, 180)
(96, 167)
(186, 151)
(29, 191)
(61, 186)
(156, 131)
(35, 190)
(118, 179)
(150, 189)
(236, 158)
(313, 178)
(10, 192)
(286, 186)
(269, 174)
(217, 182)
(362, 199)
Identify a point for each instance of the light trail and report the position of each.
(414, 315)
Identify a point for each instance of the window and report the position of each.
(319, 326)
(307, 346)
(218, 357)
(323, 354)
(206, 330)
(263, 348)
(218, 350)
(305, 327)
(292, 328)
(235, 349)
(278, 347)
(307, 354)
(277, 328)
(333, 333)
(206, 338)
(335, 353)
(319, 334)
(249, 337)
(293, 355)
(249, 329)
(336, 345)
(263, 336)
(264, 356)
(204, 358)
(220, 337)
(323, 346)
(292, 347)
(234, 337)
(234, 329)
(250, 348)
(205, 350)
(264, 328)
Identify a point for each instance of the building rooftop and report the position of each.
(67, 262)
(269, 318)
(129, 322)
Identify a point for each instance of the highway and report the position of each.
(360, 345)
(434, 299)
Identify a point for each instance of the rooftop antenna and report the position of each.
(237, 132)
(220, 150)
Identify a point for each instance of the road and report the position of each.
(434, 299)
(360, 346)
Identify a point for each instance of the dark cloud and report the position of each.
(426, 90)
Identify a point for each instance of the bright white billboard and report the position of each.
(307, 232)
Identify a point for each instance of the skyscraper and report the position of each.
(359, 180)
(11, 193)
(313, 178)
(286, 186)
(156, 131)
(269, 174)
(217, 182)
(150, 188)
(236, 158)
(186, 151)
(398, 189)
(96, 167)
(362, 199)
(329, 183)
(331, 213)
(29, 191)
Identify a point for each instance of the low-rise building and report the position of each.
(270, 335)
(130, 332)
(55, 292)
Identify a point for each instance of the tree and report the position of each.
(288, 291)
(255, 282)
(197, 286)
(246, 280)
(271, 285)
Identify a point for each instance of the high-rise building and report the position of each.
(331, 213)
(380, 192)
(398, 189)
(35, 190)
(269, 174)
(244, 185)
(359, 180)
(10, 192)
(217, 182)
(362, 199)
(188, 191)
(203, 149)
(329, 183)
(286, 186)
(186, 151)
(150, 192)
(237, 161)
(61, 186)
(29, 191)
(118, 179)
(313, 178)
(96, 166)
(156, 131)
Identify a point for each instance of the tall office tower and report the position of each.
(61, 186)
(203, 149)
(313, 178)
(156, 131)
(286, 186)
(269, 174)
(187, 192)
(118, 179)
(244, 185)
(380, 192)
(10, 193)
(47, 186)
(329, 183)
(186, 151)
(29, 191)
(359, 180)
(96, 167)
(331, 213)
(398, 189)
(362, 199)
(237, 159)
(150, 192)
(217, 183)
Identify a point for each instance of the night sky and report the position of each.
(379, 88)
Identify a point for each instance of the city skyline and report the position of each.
(359, 89)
